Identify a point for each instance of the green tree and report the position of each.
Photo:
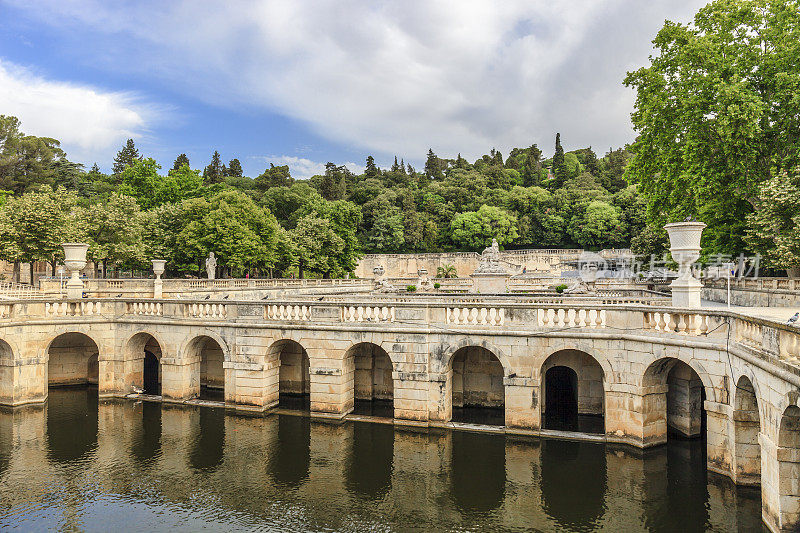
(476, 229)
(372, 170)
(235, 168)
(717, 115)
(600, 224)
(180, 161)
(386, 234)
(317, 246)
(559, 164)
(27, 161)
(213, 172)
(773, 229)
(274, 177)
(126, 157)
(114, 232)
(433, 166)
(446, 271)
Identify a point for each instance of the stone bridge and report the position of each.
(635, 368)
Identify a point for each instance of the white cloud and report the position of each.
(397, 77)
(302, 168)
(90, 123)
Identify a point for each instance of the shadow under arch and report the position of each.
(746, 427)
(477, 472)
(477, 392)
(369, 466)
(208, 446)
(573, 392)
(572, 469)
(294, 374)
(72, 359)
(209, 354)
(289, 459)
(677, 410)
(372, 379)
(144, 352)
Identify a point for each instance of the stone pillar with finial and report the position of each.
(75, 261)
(158, 284)
(684, 241)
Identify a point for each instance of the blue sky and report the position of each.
(302, 83)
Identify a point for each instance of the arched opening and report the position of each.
(209, 358)
(294, 376)
(144, 356)
(673, 406)
(72, 359)
(478, 394)
(373, 383)
(573, 392)
(747, 425)
(789, 468)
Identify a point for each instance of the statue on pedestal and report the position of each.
(490, 261)
(211, 266)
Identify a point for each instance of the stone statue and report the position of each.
(490, 261)
(578, 287)
(211, 265)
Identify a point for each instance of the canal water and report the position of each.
(77, 464)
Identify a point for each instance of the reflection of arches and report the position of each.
(143, 353)
(72, 360)
(478, 471)
(289, 459)
(209, 442)
(478, 394)
(372, 377)
(294, 378)
(573, 392)
(675, 403)
(746, 425)
(369, 472)
(209, 357)
(146, 447)
(71, 424)
(570, 469)
(789, 467)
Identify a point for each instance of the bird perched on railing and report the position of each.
(794, 318)
(137, 390)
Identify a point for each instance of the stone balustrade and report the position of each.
(145, 308)
(74, 308)
(476, 316)
(206, 310)
(362, 313)
(684, 323)
(571, 318)
(287, 312)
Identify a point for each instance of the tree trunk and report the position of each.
(300, 269)
(15, 274)
(31, 270)
(105, 268)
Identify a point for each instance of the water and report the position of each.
(77, 465)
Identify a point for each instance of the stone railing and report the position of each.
(571, 318)
(79, 308)
(476, 316)
(362, 313)
(145, 308)
(206, 310)
(684, 323)
(759, 284)
(287, 312)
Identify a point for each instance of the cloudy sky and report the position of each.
(304, 82)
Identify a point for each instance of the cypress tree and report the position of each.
(235, 168)
(433, 169)
(213, 172)
(559, 165)
(372, 170)
(180, 161)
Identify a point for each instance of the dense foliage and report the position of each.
(274, 224)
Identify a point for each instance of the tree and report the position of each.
(433, 167)
(476, 229)
(317, 246)
(446, 271)
(386, 234)
(140, 180)
(717, 115)
(213, 172)
(559, 164)
(114, 232)
(774, 227)
(599, 224)
(274, 177)
(27, 161)
(532, 168)
(126, 157)
(235, 168)
(33, 226)
(333, 184)
(372, 171)
(180, 161)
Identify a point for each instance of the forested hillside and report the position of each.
(275, 223)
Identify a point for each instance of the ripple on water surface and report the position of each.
(76, 464)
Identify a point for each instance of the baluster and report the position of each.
(571, 318)
(672, 325)
(601, 318)
(493, 316)
(682, 324)
(473, 316)
(482, 315)
(582, 318)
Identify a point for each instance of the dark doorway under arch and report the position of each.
(561, 401)
(151, 372)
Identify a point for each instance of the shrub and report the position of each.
(411, 288)
(437, 285)
(560, 288)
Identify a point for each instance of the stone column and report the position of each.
(522, 403)
(770, 483)
(718, 440)
(332, 385)
(180, 378)
(158, 284)
(23, 377)
(636, 415)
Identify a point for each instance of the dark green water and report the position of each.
(77, 465)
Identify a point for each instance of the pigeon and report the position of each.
(207, 297)
(225, 297)
(793, 320)
(137, 390)
(320, 298)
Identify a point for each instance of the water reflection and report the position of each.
(290, 455)
(369, 468)
(147, 439)
(478, 471)
(571, 468)
(167, 467)
(71, 423)
(209, 441)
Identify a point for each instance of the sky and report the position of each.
(301, 83)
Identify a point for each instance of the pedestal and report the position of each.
(158, 288)
(686, 292)
(74, 288)
(490, 283)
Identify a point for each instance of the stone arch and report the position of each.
(72, 359)
(651, 377)
(373, 381)
(206, 354)
(559, 345)
(291, 368)
(789, 468)
(746, 426)
(188, 349)
(572, 391)
(477, 392)
(143, 352)
(467, 342)
(673, 395)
